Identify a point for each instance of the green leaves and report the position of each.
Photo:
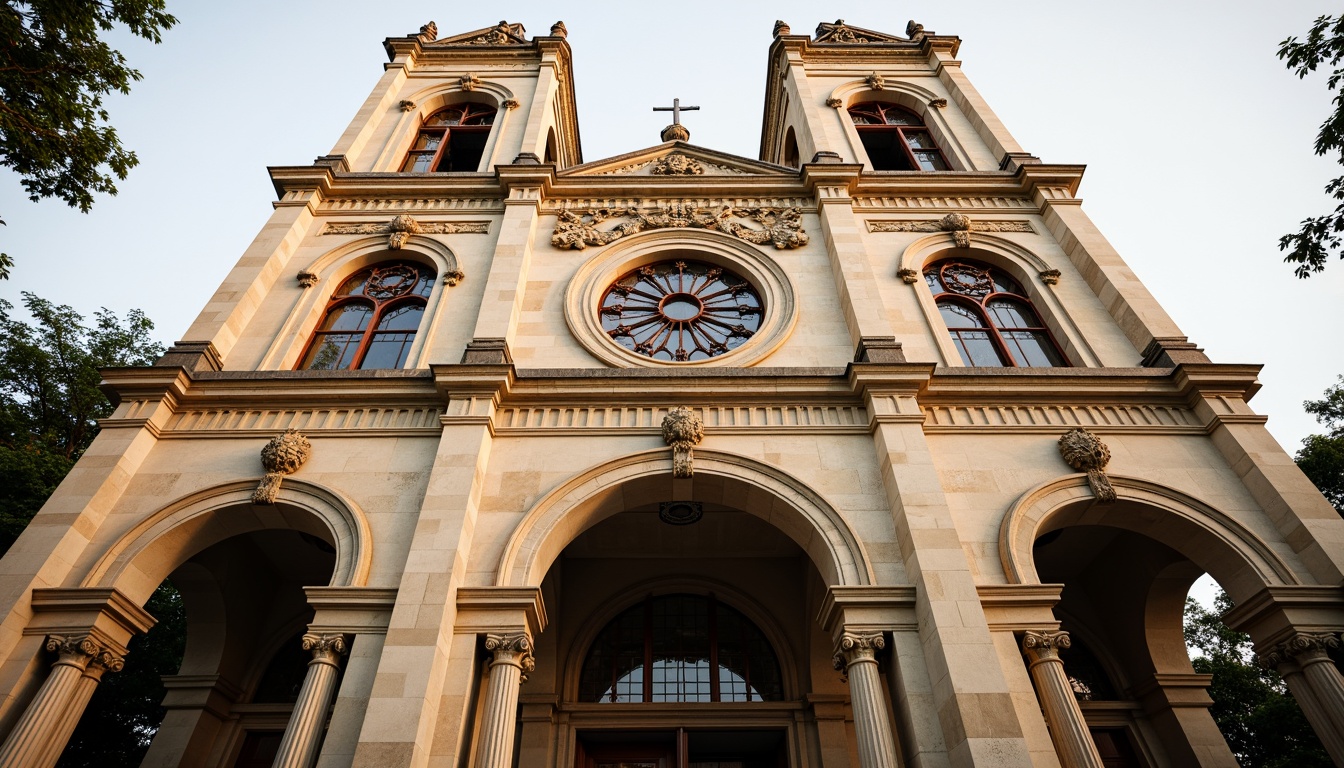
(54, 73)
(1310, 246)
(1321, 457)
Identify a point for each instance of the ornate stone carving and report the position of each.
(283, 455)
(781, 227)
(329, 646)
(503, 33)
(781, 28)
(402, 226)
(1050, 276)
(453, 277)
(909, 275)
(677, 164)
(835, 103)
(513, 648)
(1085, 452)
(913, 28)
(407, 105)
(844, 34)
(675, 132)
(429, 32)
(558, 29)
(682, 430)
(961, 236)
(469, 81)
(1301, 647)
(306, 279)
(1044, 645)
(938, 103)
(653, 167)
(875, 81)
(83, 650)
(511, 104)
(853, 647)
(959, 225)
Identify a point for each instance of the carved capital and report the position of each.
(1303, 648)
(283, 455)
(85, 652)
(1040, 646)
(854, 647)
(325, 647)
(1085, 452)
(514, 648)
(682, 430)
(908, 275)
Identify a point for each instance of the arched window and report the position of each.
(989, 317)
(896, 139)
(451, 139)
(371, 319)
(790, 156)
(680, 648)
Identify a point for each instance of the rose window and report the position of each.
(680, 311)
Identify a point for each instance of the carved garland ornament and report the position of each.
(401, 227)
(283, 455)
(1085, 452)
(958, 225)
(682, 430)
(780, 226)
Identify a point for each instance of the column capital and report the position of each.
(513, 648)
(324, 647)
(1040, 646)
(857, 647)
(1303, 648)
(85, 653)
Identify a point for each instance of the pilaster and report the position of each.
(860, 297)
(506, 282)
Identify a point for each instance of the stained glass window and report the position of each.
(681, 311)
(990, 319)
(451, 140)
(372, 319)
(896, 139)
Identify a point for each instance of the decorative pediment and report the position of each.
(842, 33)
(502, 33)
(675, 159)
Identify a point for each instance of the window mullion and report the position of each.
(438, 153)
(367, 339)
(713, 649)
(648, 649)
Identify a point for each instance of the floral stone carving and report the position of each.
(781, 227)
(682, 430)
(402, 226)
(677, 165)
(283, 455)
(1085, 452)
(875, 81)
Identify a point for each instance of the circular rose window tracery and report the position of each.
(680, 311)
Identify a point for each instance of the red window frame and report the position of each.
(980, 287)
(368, 294)
(900, 122)
(440, 127)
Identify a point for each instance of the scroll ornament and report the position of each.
(1301, 647)
(283, 455)
(515, 648)
(682, 430)
(86, 650)
(1085, 452)
(780, 226)
(324, 646)
(1045, 645)
(854, 647)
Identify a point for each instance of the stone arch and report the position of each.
(436, 97)
(339, 263)
(1238, 559)
(913, 97)
(590, 281)
(631, 595)
(598, 493)
(1023, 264)
(141, 559)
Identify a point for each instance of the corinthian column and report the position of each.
(40, 735)
(511, 661)
(303, 735)
(1073, 742)
(1304, 662)
(856, 659)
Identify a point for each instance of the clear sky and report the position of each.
(1197, 140)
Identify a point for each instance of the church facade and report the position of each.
(868, 452)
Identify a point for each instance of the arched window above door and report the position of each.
(990, 318)
(680, 648)
(451, 140)
(896, 139)
(371, 319)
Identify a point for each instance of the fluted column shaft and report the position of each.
(41, 733)
(1068, 729)
(303, 736)
(1304, 662)
(511, 661)
(856, 658)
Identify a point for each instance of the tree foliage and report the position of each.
(54, 75)
(1260, 720)
(1311, 245)
(49, 396)
(1321, 457)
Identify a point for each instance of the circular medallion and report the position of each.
(680, 311)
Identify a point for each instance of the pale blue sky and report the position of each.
(1197, 141)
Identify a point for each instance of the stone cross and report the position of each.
(675, 109)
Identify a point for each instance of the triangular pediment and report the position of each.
(676, 159)
(502, 33)
(841, 33)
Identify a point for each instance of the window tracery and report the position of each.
(990, 319)
(451, 140)
(371, 319)
(680, 648)
(896, 139)
(680, 311)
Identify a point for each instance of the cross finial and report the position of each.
(676, 131)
